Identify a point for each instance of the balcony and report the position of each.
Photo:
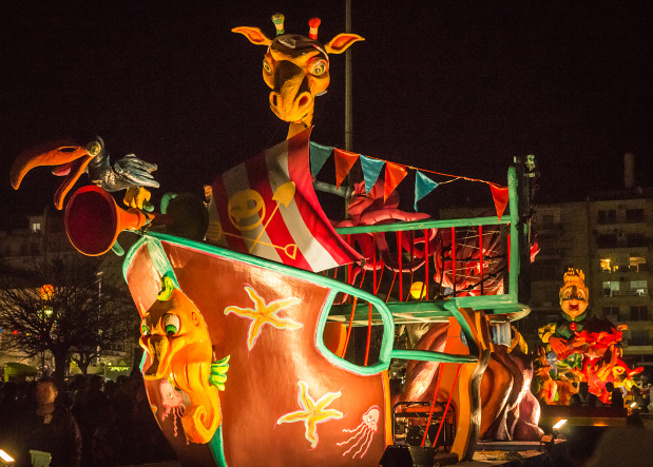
(625, 293)
(638, 349)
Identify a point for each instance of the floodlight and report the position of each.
(6, 459)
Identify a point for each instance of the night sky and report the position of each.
(456, 87)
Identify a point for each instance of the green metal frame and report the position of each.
(506, 307)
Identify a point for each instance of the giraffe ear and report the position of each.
(255, 35)
(341, 42)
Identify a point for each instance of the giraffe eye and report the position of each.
(170, 324)
(318, 68)
(267, 67)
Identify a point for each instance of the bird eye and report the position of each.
(267, 67)
(170, 324)
(319, 68)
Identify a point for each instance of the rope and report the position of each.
(351, 322)
(446, 409)
(435, 399)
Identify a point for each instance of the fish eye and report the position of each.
(170, 324)
(145, 329)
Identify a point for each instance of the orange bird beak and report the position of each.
(69, 158)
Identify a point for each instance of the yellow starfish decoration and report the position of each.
(264, 313)
(312, 413)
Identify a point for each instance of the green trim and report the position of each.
(425, 224)
(157, 254)
(386, 342)
(433, 311)
(453, 307)
(216, 445)
(513, 276)
(432, 356)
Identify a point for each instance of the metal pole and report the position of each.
(348, 90)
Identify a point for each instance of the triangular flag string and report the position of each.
(457, 177)
(394, 174)
(371, 171)
(423, 186)
(318, 156)
(500, 196)
(344, 161)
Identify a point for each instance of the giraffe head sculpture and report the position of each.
(296, 69)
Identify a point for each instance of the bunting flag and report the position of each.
(423, 186)
(344, 160)
(267, 207)
(500, 196)
(394, 174)
(371, 171)
(319, 155)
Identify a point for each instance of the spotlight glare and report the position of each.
(5, 457)
(559, 425)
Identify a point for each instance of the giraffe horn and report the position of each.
(277, 19)
(313, 24)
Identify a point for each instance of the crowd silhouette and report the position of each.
(88, 422)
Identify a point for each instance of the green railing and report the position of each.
(503, 306)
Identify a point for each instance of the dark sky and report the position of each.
(450, 86)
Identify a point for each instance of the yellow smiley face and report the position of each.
(246, 209)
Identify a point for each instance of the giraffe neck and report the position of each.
(297, 127)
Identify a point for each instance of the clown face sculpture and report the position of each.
(574, 294)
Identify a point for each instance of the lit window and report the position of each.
(605, 265)
(639, 287)
(36, 227)
(610, 288)
(638, 264)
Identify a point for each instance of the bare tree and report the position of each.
(66, 304)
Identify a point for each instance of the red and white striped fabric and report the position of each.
(267, 207)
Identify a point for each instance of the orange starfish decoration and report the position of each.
(312, 413)
(264, 313)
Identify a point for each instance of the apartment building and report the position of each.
(610, 237)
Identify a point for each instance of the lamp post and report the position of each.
(46, 292)
(99, 275)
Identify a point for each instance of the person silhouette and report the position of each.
(50, 428)
(583, 397)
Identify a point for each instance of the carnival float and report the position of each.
(579, 349)
(250, 300)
